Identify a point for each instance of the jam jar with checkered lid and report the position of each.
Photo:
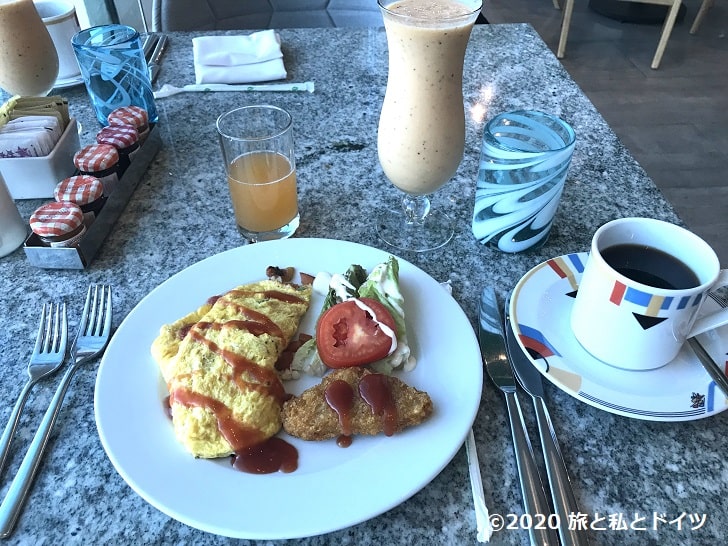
(124, 138)
(101, 161)
(58, 224)
(134, 116)
(86, 191)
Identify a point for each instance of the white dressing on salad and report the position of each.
(321, 283)
(386, 330)
(389, 286)
(341, 287)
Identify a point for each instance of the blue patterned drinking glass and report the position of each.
(524, 158)
(114, 70)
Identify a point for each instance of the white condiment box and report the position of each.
(37, 177)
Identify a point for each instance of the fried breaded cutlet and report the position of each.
(219, 365)
(311, 417)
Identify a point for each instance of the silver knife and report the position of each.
(561, 492)
(493, 347)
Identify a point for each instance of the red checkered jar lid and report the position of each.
(96, 158)
(120, 136)
(129, 115)
(82, 189)
(56, 219)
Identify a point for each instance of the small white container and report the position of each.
(13, 229)
(37, 177)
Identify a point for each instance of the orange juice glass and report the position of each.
(257, 148)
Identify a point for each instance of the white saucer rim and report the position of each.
(71, 81)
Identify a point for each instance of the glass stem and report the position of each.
(416, 208)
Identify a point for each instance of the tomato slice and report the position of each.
(355, 332)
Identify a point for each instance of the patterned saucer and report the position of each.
(679, 391)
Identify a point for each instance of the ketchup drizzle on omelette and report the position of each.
(253, 453)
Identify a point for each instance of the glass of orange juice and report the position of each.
(257, 147)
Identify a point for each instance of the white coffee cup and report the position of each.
(60, 19)
(639, 321)
(12, 228)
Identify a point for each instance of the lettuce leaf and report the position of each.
(382, 285)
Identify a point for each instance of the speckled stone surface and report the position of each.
(181, 214)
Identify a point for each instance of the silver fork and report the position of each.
(93, 334)
(48, 355)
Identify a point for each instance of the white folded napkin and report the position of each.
(251, 58)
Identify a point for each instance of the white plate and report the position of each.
(680, 391)
(333, 487)
(73, 81)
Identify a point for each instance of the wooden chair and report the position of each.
(702, 12)
(664, 36)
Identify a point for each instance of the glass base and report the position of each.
(434, 232)
(281, 233)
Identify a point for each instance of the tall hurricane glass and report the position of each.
(421, 135)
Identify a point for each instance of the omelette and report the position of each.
(219, 366)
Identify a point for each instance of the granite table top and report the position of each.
(640, 481)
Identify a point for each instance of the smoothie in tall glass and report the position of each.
(421, 134)
(28, 58)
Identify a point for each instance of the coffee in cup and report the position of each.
(641, 292)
